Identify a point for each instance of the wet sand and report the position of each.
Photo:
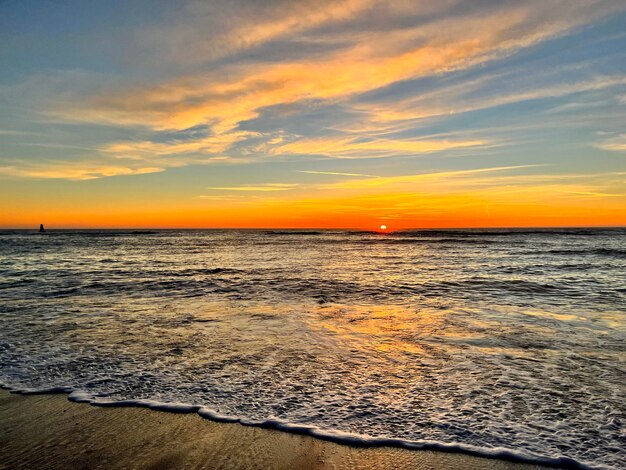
(48, 431)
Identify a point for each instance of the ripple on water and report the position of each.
(480, 340)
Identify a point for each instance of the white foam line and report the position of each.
(336, 436)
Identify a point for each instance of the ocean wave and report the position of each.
(332, 435)
(391, 239)
(294, 232)
(257, 284)
(203, 271)
(513, 232)
(614, 252)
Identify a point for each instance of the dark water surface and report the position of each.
(502, 342)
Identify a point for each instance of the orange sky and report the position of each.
(335, 208)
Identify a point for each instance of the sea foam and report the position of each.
(331, 435)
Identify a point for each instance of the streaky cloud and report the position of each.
(335, 173)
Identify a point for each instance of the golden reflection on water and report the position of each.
(388, 335)
(390, 329)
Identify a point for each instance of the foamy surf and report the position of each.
(332, 435)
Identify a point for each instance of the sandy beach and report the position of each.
(48, 431)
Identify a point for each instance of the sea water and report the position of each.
(508, 343)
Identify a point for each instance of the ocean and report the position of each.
(506, 343)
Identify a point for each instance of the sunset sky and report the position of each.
(354, 113)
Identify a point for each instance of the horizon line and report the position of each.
(488, 227)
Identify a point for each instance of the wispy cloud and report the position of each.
(423, 178)
(347, 147)
(399, 114)
(359, 46)
(235, 93)
(149, 149)
(614, 144)
(335, 173)
(479, 197)
(368, 60)
(257, 188)
(73, 171)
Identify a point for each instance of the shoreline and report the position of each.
(48, 430)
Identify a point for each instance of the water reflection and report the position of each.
(494, 343)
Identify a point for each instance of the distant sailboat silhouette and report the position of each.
(41, 229)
